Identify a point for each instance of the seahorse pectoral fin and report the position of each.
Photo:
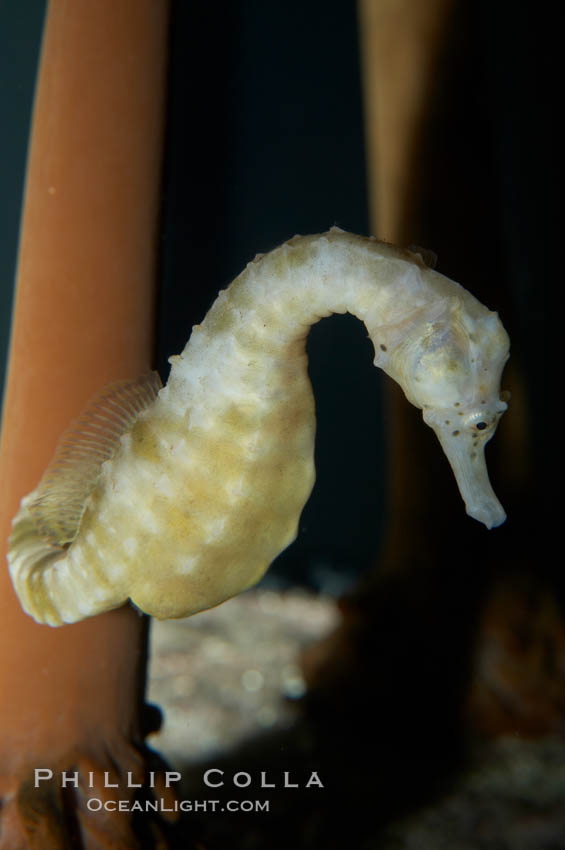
(467, 460)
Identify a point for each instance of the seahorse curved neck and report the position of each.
(207, 486)
(269, 309)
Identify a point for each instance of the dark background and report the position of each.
(20, 34)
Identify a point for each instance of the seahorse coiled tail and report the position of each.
(206, 484)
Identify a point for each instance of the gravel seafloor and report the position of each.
(230, 685)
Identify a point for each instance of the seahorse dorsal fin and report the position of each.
(427, 256)
(89, 441)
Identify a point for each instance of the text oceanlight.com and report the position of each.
(95, 804)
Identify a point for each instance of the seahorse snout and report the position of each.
(465, 452)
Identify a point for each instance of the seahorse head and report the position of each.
(451, 368)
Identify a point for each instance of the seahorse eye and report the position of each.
(475, 421)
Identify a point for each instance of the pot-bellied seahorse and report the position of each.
(180, 497)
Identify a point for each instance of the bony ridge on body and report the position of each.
(200, 485)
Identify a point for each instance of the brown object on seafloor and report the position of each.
(70, 698)
(518, 677)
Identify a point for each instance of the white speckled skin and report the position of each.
(208, 485)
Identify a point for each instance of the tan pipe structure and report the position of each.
(83, 316)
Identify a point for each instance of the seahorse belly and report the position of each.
(215, 502)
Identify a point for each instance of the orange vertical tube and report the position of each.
(402, 44)
(83, 316)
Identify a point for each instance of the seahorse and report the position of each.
(179, 497)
